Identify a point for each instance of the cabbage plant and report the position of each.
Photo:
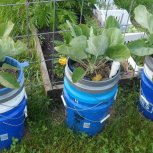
(143, 47)
(8, 47)
(92, 48)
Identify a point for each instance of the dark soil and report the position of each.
(49, 52)
(104, 71)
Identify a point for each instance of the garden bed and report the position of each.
(44, 48)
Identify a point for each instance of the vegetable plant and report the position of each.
(143, 47)
(92, 50)
(8, 47)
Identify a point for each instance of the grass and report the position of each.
(127, 131)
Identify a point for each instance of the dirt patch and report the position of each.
(49, 52)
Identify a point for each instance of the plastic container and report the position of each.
(85, 119)
(148, 67)
(12, 125)
(88, 102)
(122, 16)
(146, 96)
(12, 108)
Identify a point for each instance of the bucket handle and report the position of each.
(101, 121)
(65, 105)
(14, 124)
(94, 121)
(24, 64)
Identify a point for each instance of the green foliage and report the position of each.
(143, 47)
(8, 48)
(90, 49)
(78, 74)
(42, 14)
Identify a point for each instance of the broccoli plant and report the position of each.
(92, 48)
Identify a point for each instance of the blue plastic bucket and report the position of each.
(17, 64)
(85, 119)
(12, 125)
(12, 107)
(89, 99)
(146, 96)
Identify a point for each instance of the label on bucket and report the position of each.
(4, 137)
(145, 104)
(86, 125)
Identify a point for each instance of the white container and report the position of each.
(122, 16)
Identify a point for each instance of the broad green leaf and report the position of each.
(6, 28)
(8, 80)
(76, 50)
(92, 32)
(114, 36)
(8, 66)
(78, 30)
(97, 45)
(85, 30)
(78, 46)
(78, 74)
(111, 22)
(150, 39)
(144, 18)
(63, 49)
(10, 48)
(118, 53)
(140, 48)
(71, 29)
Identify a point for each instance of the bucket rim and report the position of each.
(90, 81)
(20, 73)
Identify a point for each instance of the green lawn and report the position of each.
(127, 131)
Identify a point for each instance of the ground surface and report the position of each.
(127, 131)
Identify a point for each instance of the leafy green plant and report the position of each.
(8, 48)
(91, 49)
(143, 47)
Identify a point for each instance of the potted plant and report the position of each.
(92, 74)
(144, 48)
(12, 92)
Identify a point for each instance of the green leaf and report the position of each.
(76, 50)
(150, 39)
(6, 28)
(140, 48)
(63, 49)
(111, 22)
(85, 30)
(97, 45)
(10, 48)
(8, 80)
(78, 46)
(114, 36)
(71, 29)
(144, 18)
(78, 74)
(8, 66)
(118, 53)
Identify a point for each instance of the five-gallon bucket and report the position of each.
(85, 119)
(12, 108)
(88, 102)
(12, 124)
(146, 96)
